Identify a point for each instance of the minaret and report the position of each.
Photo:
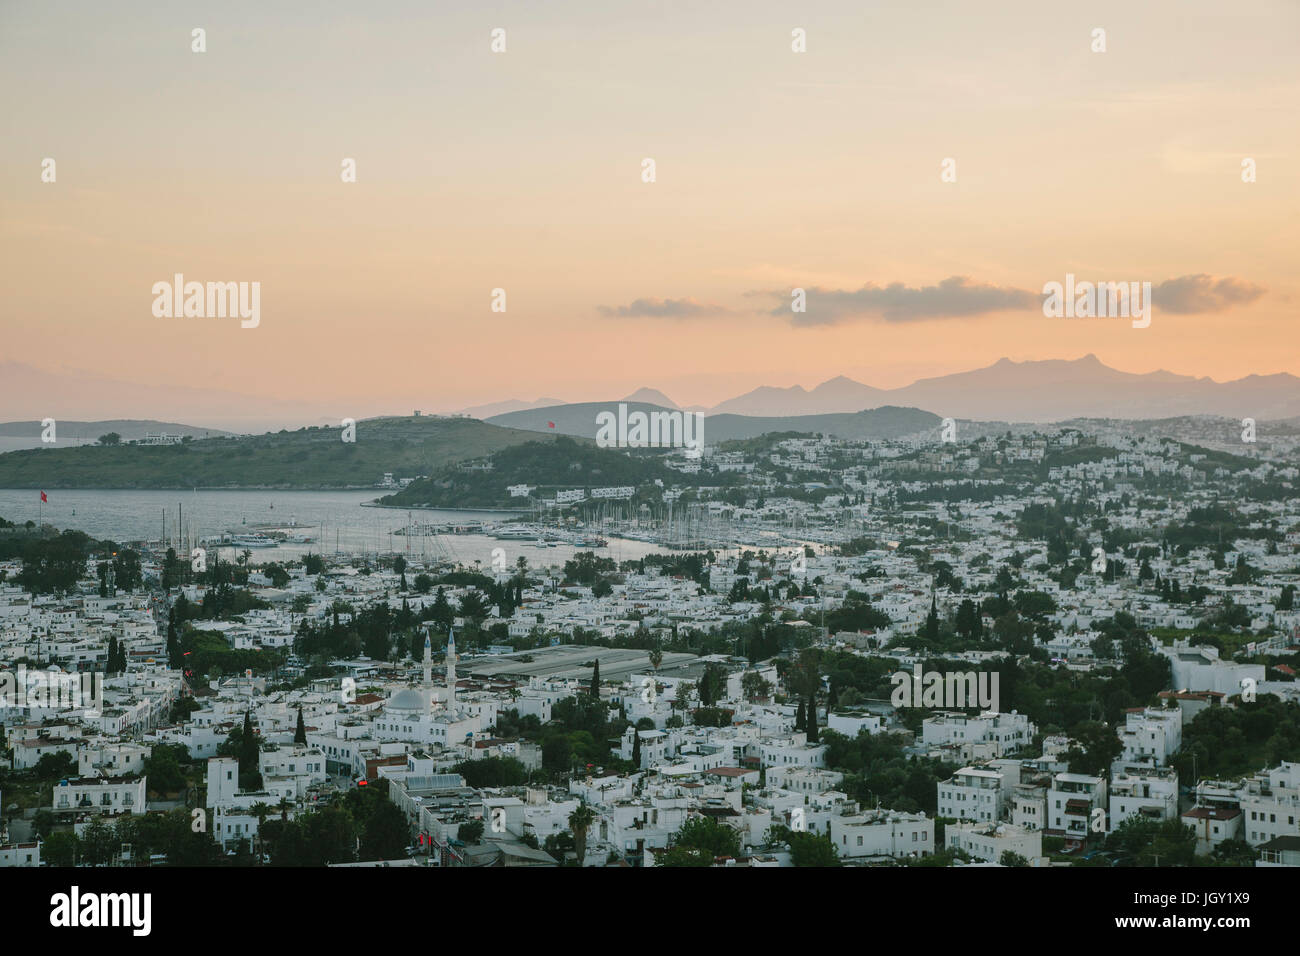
(451, 670)
(427, 686)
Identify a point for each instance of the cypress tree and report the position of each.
(932, 621)
(248, 748)
(636, 748)
(800, 718)
(300, 735)
(595, 679)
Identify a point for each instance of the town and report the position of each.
(727, 702)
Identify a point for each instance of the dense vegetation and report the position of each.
(306, 458)
(561, 464)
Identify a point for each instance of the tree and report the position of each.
(58, 764)
(805, 677)
(656, 658)
(1234, 853)
(43, 823)
(681, 856)
(579, 821)
(1141, 841)
(249, 756)
(595, 679)
(1011, 858)
(473, 607)
(112, 438)
(399, 565)
(162, 769)
(261, 811)
(1094, 749)
(809, 849)
(300, 734)
(470, 832)
(387, 834)
(931, 632)
(754, 685)
(60, 848)
(706, 833)
(277, 575)
(636, 748)
(98, 842)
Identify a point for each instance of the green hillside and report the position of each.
(560, 464)
(888, 421)
(309, 458)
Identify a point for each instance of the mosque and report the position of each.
(426, 714)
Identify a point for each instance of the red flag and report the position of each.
(43, 498)
(548, 425)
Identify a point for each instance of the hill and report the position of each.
(559, 464)
(580, 420)
(129, 428)
(309, 458)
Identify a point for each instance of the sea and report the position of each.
(335, 522)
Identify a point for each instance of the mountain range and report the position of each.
(1034, 391)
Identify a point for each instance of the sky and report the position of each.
(523, 171)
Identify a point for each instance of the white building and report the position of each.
(988, 841)
(1270, 804)
(972, 794)
(1142, 790)
(111, 795)
(1006, 732)
(1151, 735)
(882, 834)
(1071, 800)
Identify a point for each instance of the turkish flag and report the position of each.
(550, 424)
(43, 498)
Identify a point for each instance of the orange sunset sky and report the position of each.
(522, 170)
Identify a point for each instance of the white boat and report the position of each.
(253, 541)
(514, 533)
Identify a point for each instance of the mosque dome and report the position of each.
(409, 699)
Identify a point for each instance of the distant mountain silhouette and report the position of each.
(1041, 391)
(1038, 391)
(510, 405)
(652, 396)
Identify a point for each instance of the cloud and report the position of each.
(662, 309)
(954, 297)
(1187, 295)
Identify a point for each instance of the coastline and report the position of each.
(495, 511)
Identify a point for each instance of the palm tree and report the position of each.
(656, 658)
(261, 811)
(579, 821)
(284, 806)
